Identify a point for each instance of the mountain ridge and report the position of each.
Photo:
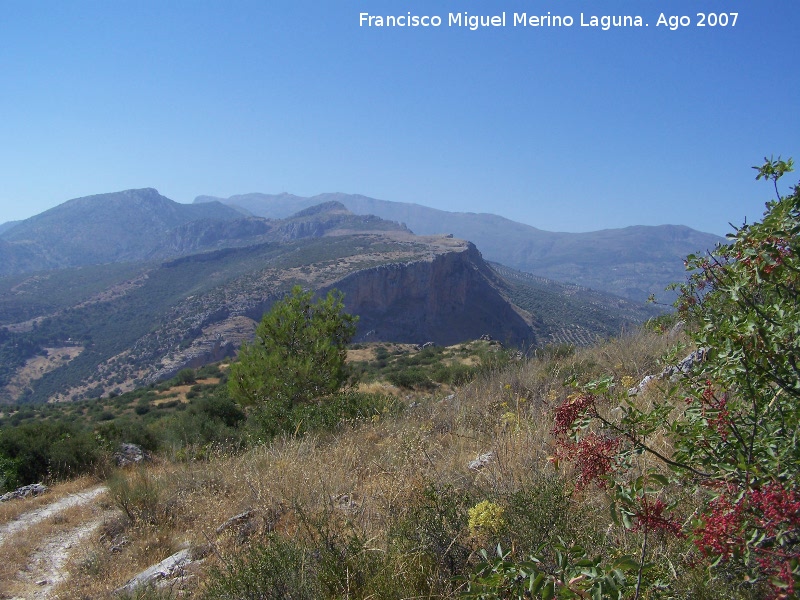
(633, 262)
(140, 224)
(114, 227)
(148, 323)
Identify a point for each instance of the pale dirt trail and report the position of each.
(44, 569)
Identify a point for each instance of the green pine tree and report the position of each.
(298, 353)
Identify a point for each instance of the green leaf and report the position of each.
(614, 515)
(659, 478)
(536, 584)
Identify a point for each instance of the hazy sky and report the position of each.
(564, 128)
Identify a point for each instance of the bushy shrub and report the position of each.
(331, 411)
(731, 428)
(139, 496)
(186, 377)
(436, 526)
(46, 450)
(412, 378)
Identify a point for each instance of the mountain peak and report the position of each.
(117, 226)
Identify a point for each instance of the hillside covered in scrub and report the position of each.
(194, 291)
(368, 496)
(374, 497)
(661, 463)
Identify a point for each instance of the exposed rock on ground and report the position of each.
(170, 568)
(481, 461)
(26, 491)
(671, 371)
(129, 454)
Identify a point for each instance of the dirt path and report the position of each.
(43, 568)
(33, 517)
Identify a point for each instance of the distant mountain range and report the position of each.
(633, 262)
(137, 225)
(192, 281)
(118, 227)
(7, 225)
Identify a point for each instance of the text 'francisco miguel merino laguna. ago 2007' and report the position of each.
(604, 22)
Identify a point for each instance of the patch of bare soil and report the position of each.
(362, 354)
(35, 368)
(179, 392)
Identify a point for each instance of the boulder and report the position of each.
(129, 454)
(25, 491)
(169, 568)
(481, 461)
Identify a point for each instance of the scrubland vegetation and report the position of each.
(384, 504)
(379, 507)
(470, 472)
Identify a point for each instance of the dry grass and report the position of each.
(363, 481)
(179, 392)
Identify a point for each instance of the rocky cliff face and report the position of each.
(449, 295)
(445, 299)
(198, 309)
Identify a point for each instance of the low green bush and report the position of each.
(275, 568)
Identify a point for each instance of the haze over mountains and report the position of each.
(136, 225)
(633, 262)
(104, 293)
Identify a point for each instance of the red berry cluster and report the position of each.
(594, 456)
(570, 410)
(650, 517)
(774, 511)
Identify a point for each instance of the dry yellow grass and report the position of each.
(363, 480)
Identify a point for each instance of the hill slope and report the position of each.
(633, 262)
(116, 227)
(139, 324)
(88, 331)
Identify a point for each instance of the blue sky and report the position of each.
(566, 129)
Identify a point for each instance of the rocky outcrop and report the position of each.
(216, 342)
(672, 372)
(128, 455)
(198, 309)
(164, 572)
(26, 491)
(448, 298)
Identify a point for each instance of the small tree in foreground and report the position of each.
(298, 353)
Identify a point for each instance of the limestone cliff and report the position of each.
(447, 298)
(446, 294)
